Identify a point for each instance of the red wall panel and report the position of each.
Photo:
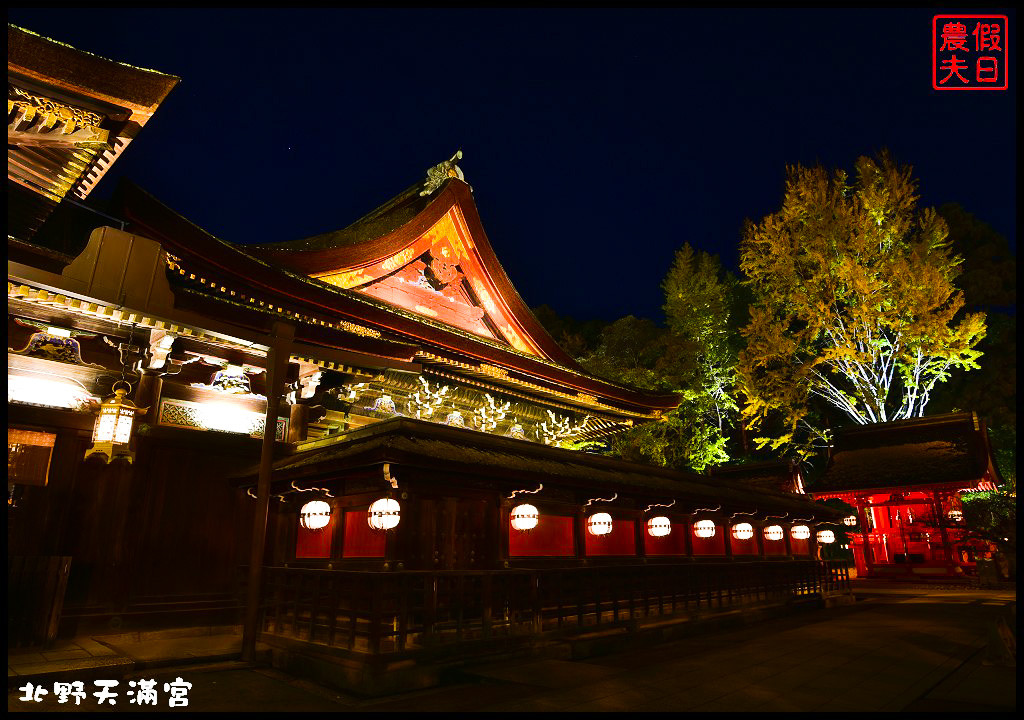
(620, 541)
(710, 546)
(551, 538)
(800, 547)
(359, 539)
(672, 544)
(745, 547)
(314, 543)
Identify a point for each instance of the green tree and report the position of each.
(992, 516)
(698, 306)
(574, 336)
(628, 352)
(855, 308)
(694, 356)
(989, 277)
(989, 283)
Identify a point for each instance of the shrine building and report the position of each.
(363, 445)
(905, 479)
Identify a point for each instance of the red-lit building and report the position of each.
(905, 478)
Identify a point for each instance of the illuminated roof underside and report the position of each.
(70, 114)
(440, 275)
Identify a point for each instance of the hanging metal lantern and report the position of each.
(112, 432)
(826, 536)
(773, 532)
(525, 517)
(704, 529)
(850, 520)
(800, 532)
(599, 524)
(384, 514)
(315, 515)
(659, 526)
(955, 515)
(743, 531)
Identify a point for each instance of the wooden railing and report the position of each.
(389, 612)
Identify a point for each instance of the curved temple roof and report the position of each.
(432, 280)
(428, 255)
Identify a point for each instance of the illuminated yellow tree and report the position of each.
(854, 302)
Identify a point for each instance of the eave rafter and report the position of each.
(578, 401)
(101, 311)
(500, 380)
(40, 121)
(50, 144)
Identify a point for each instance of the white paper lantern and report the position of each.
(743, 531)
(956, 515)
(384, 514)
(315, 515)
(599, 524)
(525, 517)
(826, 536)
(773, 532)
(850, 520)
(704, 529)
(800, 532)
(659, 526)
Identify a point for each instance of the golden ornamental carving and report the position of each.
(493, 371)
(59, 111)
(358, 329)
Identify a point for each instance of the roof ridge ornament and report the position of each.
(437, 175)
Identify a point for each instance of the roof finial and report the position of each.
(437, 175)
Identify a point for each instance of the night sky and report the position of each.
(596, 141)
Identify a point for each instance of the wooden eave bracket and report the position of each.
(52, 125)
(81, 138)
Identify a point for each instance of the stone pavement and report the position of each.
(899, 648)
(111, 655)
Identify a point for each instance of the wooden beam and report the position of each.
(86, 137)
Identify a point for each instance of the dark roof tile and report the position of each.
(924, 451)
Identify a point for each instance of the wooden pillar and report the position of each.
(148, 395)
(426, 523)
(759, 534)
(451, 508)
(398, 551)
(298, 422)
(579, 529)
(869, 551)
(940, 520)
(640, 536)
(338, 519)
(688, 536)
(727, 536)
(787, 529)
(280, 341)
(504, 525)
